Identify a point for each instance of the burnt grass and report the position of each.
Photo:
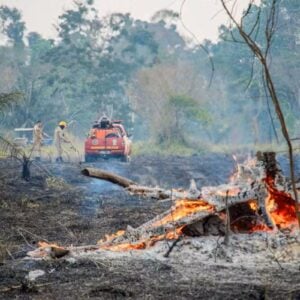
(80, 211)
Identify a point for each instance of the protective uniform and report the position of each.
(59, 138)
(37, 140)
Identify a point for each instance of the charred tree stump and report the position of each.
(269, 162)
(272, 171)
(26, 168)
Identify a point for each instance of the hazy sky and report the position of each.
(202, 17)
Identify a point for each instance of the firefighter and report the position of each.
(37, 139)
(59, 138)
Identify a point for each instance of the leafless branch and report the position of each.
(269, 109)
(262, 55)
(172, 246)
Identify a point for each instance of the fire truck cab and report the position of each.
(107, 139)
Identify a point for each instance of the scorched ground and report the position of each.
(80, 211)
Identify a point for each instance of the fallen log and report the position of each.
(254, 198)
(108, 176)
(133, 188)
(170, 220)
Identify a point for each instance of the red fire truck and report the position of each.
(107, 139)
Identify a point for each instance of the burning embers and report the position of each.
(254, 200)
(161, 229)
(255, 203)
(280, 206)
(182, 209)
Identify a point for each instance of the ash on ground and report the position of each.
(252, 266)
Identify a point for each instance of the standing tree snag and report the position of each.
(8, 149)
(261, 52)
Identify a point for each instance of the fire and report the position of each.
(184, 208)
(280, 206)
(143, 244)
(253, 205)
(244, 217)
(260, 227)
(124, 247)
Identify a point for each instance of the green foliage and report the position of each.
(146, 73)
(12, 26)
(152, 148)
(189, 108)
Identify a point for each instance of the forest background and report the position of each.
(170, 91)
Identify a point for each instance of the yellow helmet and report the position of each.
(62, 123)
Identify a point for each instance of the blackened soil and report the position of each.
(86, 209)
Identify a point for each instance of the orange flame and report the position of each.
(280, 205)
(260, 227)
(182, 209)
(143, 244)
(253, 205)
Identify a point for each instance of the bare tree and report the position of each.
(261, 52)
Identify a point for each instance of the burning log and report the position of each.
(256, 198)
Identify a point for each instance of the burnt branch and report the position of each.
(227, 228)
(167, 254)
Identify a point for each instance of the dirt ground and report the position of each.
(79, 211)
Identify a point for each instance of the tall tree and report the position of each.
(12, 25)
